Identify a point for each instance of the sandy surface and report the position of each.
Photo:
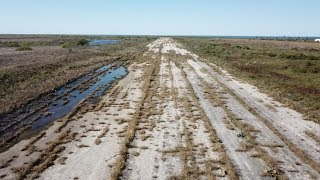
(172, 116)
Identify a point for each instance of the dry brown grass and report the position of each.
(313, 136)
(217, 146)
(288, 71)
(7, 163)
(83, 146)
(248, 130)
(98, 141)
(300, 153)
(144, 147)
(62, 160)
(41, 135)
(104, 132)
(46, 158)
(135, 153)
(133, 124)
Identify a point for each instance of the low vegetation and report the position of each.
(76, 43)
(24, 48)
(10, 44)
(289, 71)
(27, 73)
(169, 114)
(39, 40)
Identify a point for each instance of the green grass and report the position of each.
(289, 74)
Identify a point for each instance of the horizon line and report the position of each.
(157, 35)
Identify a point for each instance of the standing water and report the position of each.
(97, 42)
(38, 113)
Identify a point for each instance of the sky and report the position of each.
(162, 17)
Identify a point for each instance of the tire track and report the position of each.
(247, 167)
(276, 119)
(274, 149)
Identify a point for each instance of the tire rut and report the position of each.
(275, 150)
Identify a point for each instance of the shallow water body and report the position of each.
(98, 42)
(58, 103)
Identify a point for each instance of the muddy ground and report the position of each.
(172, 117)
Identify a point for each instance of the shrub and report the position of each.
(82, 42)
(25, 44)
(24, 48)
(10, 44)
(71, 44)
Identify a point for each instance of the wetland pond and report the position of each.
(39, 113)
(99, 42)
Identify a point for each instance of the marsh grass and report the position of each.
(58, 68)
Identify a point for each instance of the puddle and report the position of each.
(38, 113)
(97, 42)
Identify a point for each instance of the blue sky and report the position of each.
(162, 17)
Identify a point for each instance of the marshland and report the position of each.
(159, 90)
(150, 107)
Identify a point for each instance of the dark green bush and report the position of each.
(9, 44)
(24, 48)
(82, 42)
(71, 44)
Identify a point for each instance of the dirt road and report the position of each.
(173, 116)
